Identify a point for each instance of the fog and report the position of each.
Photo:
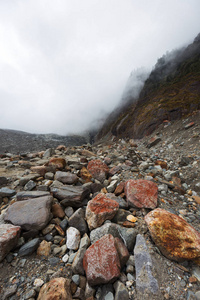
(65, 63)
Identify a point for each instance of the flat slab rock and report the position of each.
(101, 261)
(71, 195)
(9, 236)
(175, 238)
(30, 214)
(100, 209)
(28, 194)
(6, 192)
(66, 177)
(141, 193)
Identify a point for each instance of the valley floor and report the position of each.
(170, 158)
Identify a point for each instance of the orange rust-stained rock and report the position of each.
(99, 209)
(141, 193)
(58, 162)
(44, 248)
(98, 169)
(85, 175)
(119, 189)
(175, 238)
(161, 163)
(57, 288)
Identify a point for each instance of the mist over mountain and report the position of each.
(171, 91)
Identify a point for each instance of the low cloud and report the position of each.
(65, 63)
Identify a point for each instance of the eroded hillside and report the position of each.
(172, 91)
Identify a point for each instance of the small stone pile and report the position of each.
(113, 221)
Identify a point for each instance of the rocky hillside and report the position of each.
(118, 220)
(171, 91)
(18, 141)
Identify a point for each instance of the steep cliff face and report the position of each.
(171, 92)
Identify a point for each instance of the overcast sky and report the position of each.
(63, 63)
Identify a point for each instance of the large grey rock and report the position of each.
(6, 192)
(71, 195)
(77, 265)
(77, 220)
(30, 214)
(128, 235)
(66, 177)
(121, 291)
(145, 282)
(29, 248)
(9, 236)
(28, 194)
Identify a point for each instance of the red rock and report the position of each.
(98, 169)
(119, 189)
(101, 261)
(99, 209)
(141, 193)
(85, 175)
(175, 238)
(9, 236)
(57, 211)
(58, 162)
(58, 288)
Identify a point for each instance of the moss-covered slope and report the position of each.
(171, 92)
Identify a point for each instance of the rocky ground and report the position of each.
(19, 141)
(116, 220)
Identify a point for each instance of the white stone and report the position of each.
(38, 282)
(65, 258)
(73, 238)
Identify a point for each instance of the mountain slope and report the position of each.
(19, 141)
(171, 92)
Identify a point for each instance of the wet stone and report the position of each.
(29, 247)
